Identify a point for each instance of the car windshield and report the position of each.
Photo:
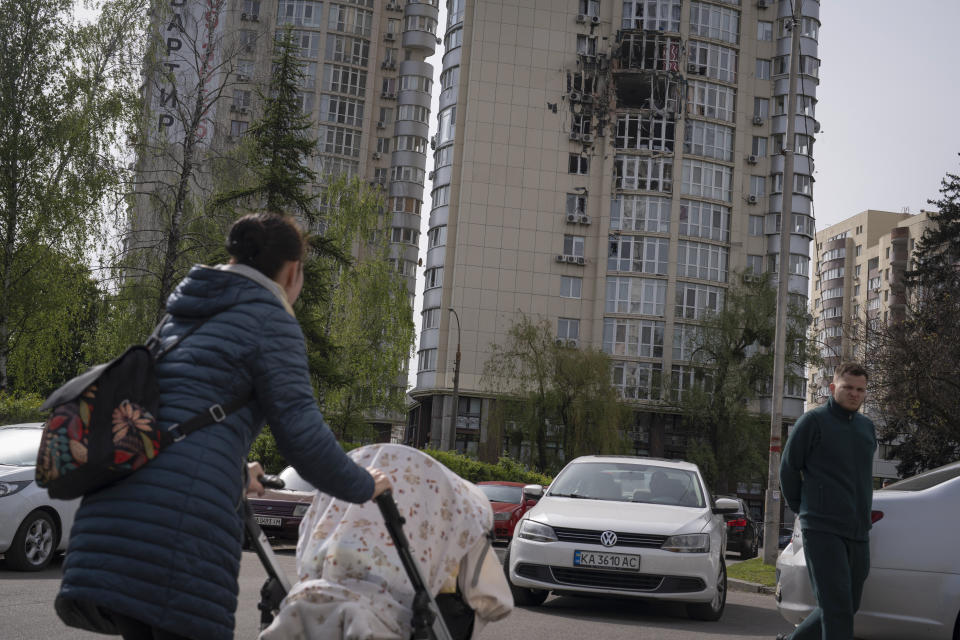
(502, 493)
(629, 482)
(18, 446)
(926, 479)
(294, 482)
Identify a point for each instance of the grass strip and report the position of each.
(754, 570)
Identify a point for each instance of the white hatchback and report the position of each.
(913, 589)
(33, 527)
(626, 527)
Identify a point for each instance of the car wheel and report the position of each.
(711, 611)
(753, 550)
(34, 544)
(523, 597)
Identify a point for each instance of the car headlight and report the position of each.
(502, 515)
(687, 543)
(300, 509)
(10, 487)
(532, 530)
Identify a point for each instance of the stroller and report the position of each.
(353, 585)
(428, 620)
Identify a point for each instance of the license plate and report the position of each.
(264, 521)
(603, 560)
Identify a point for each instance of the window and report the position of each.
(307, 43)
(413, 112)
(453, 39)
(573, 245)
(343, 142)
(718, 23)
(450, 78)
(248, 39)
(803, 184)
(685, 379)
(633, 337)
(344, 80)
(808, 65)
(570, 287)
(245, 68)
(755, 225)
(719, 61)
(761, 108)
(342, 111)
(708, 139)
(568, 328)
(238, 128)
(856, 271)
(830, 274)
(640, 213)
(649, 132)
(588, 7)
(347, 50)
(386, 115)
(416, 144)
(455, 11)
(388, 88)
(393, 26)
(427, 360)
(694, 300)
(300, 13)
(706, 179)
(643, 296)
(433, 277)
(653, 15)
(759, 146)
(380, 175)
(576, 203)
(758, 186)
(643, 172)
(763, 69)
(437, 237)
(755, 264)
(440, 196)
(431, 318)
(446, 122)
(408, 174)
(701, 260)
(705, 220)
(586, 45)
(637, 380)
(420, 23)
(405, 205)
(578, 164)
(799, 264)
(638, 254)
(404, 235)
(764, 30)
(859, 251)
(443, 157)
(350, 20)
(710, 100)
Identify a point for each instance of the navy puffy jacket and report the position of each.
(164, 544)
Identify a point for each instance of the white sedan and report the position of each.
(625, 527)
(913, 590)
(32, 526)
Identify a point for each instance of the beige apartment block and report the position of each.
(859, 280)
(367, 90)
(607, 165)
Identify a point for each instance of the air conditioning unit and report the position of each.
(389, 64)
(692, 67)
(244, 109)
(389, 95)
(380, 124)
(431, 175)
(561, 257)
(751, 159)
(581, 260)
(574, 96)
(586, 98)
(433, 142)
(584, 219)
(757, 119)
(244, 17)
(572, 259)
(393, 6)
(255, 18)
(233, 107)
(581, 18)
(595, 20)
(587, 137)
(752, 199)
(571, 217)
(376, 155)
(560, 342)
(762, 4)
(248, 48)
(573, 343)
(389, 36)
(574, 135)
(242, 77)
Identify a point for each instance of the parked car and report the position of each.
(743, 534)
(913, 589)
(623, 526)
(279, 511)
(786, 534)
(33, 527)
(508, 503)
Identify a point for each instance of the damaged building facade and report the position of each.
(607, 165)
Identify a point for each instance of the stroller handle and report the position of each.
(271, 481)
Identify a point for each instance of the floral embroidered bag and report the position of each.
(103, 423)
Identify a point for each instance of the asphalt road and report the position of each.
(26, 613)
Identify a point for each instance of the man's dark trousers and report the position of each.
(838, 568)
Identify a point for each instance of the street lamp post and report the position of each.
(449, 438)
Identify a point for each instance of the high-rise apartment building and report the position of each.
(859, 280)
(608, 165)
(367, 88)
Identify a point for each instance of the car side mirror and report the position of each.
(725, 505)
(532, 492)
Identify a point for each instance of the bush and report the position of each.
(21, 407)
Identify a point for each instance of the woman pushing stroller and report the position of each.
(351, 582)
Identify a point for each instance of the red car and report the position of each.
(508, 504)
(279, 511)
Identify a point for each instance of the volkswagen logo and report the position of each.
(608, 538)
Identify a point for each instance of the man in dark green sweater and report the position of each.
(826, 475)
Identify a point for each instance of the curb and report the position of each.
(734, 584)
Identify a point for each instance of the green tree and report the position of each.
(65, 92)
(538, 382)
(915, 378)
(731, 361)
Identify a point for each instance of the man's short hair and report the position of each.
(850, 369)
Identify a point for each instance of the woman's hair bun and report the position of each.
(265, 241)
(246, 239)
